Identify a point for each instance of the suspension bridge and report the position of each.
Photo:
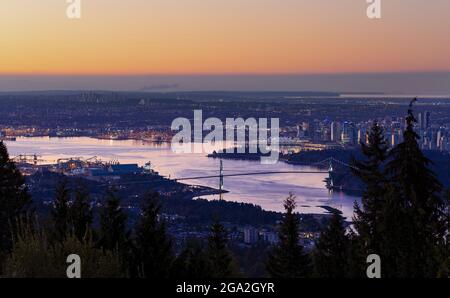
(331, 162)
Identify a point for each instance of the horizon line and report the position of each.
(51, 74)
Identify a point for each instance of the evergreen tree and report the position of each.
(414, 209)
(60, 211)
(371, 173)
(357, 255)
(153, 248)
(34, 256)
(331, 251)
(113, 221)
(192, 263)
(218, 253)
(288, 259)
(14, 198)
(81, 213)
(444, 270)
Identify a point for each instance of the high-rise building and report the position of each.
(326, 133)
(439, 139)
(420, 121)
(396, 137)
(270, 236)
(305, 129)
(426, 120)
(315, 130)
(349, 134)
(362, 136)
(442, 143)
(251, 235)
(335, 131)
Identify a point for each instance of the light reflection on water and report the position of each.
(268, 191)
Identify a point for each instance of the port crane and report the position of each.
(28, 158)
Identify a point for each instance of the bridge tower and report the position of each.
(330, 172)
(329, 179)
(221, 175)
(221, 178)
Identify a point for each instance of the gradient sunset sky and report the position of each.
(161, 38)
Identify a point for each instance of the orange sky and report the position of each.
(223, 37)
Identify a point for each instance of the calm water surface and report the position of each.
(268, 191)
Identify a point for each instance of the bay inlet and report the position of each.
(267, 191)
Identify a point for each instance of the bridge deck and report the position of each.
(254, 173)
